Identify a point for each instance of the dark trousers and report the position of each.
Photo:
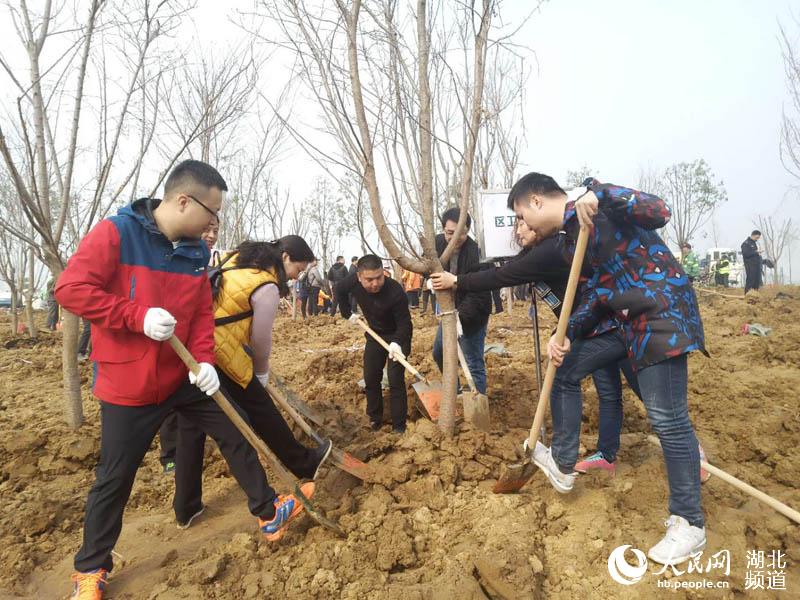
(375, 357)
(168, 439)
(313, 298)
(498, 301)
(52, 315)
(608, 383)
(335, 303)
(266, 421)
(85, 338)
(304, 304)
(413, 298)
(752, 276)
(126, 435)
(426, 296)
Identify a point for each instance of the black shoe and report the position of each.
(375, 425)
(399, 429)
(186, 524)
(323, 451)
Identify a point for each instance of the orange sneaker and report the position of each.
(287, 508)
(89, 586)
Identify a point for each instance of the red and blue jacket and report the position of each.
(635, 277)
(123, 267)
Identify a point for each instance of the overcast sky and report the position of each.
(620, 85)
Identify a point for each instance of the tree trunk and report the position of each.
(73, 405)
(447, 409)
(14, 307)
(33, 331)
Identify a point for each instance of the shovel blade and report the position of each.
(357, 468)
(513, 477)
(476, 411)
(430, 399)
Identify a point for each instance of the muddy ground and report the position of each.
(433, 530)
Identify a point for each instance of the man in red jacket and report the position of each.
(140, 277)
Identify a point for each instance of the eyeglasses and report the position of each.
(211, 212)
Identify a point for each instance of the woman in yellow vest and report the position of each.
(253, 279)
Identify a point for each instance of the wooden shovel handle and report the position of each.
(383, 343)
(561, 332)
(465, 368)
(740, 485)
(234, 416)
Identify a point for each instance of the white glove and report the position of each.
(395, 351)
(354, 318)
(459, 329)
(263, 378)
(429, 285)
(206, 379)
(159, 325)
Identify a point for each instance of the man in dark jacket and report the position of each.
(752, 261)
(473, 308)
(336, 274)
(352, 269)
(385, 307)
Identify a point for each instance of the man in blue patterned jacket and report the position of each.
(636, 280)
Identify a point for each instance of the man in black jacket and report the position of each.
(384, 304)
(473, 308)
(336, 274)
(752, 261)
(352, 269)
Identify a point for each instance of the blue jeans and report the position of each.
(472, 347)
(608, 383)
(663, 389)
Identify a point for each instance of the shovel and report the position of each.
(740, 485)
(514, 476)
(257, 443)
(476, 405)
(343, 460)
(537, 347)
(429, 395)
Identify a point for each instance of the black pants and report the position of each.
(413, 298)
(753, 276)
(266, 421)
(426, 296)
(374, 359)
(126, 435)
(498, 301)
(313, 298)
(168, 439)
(303, 304)
(334, 303)
(52, 315)
(85, 338)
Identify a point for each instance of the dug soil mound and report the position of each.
(430, 528)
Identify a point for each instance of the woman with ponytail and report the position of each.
(248, 287)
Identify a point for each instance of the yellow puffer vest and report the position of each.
(233, 316)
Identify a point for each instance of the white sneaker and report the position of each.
(681, 541)
(543, 457)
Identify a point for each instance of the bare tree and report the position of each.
(576, 178)
(776, 234)
(692, 194)
(368, 67)
(42, 159)
(326, 215)
(790, 123)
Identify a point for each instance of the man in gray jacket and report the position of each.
(315, 284)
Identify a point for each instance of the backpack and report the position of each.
(215, 275)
